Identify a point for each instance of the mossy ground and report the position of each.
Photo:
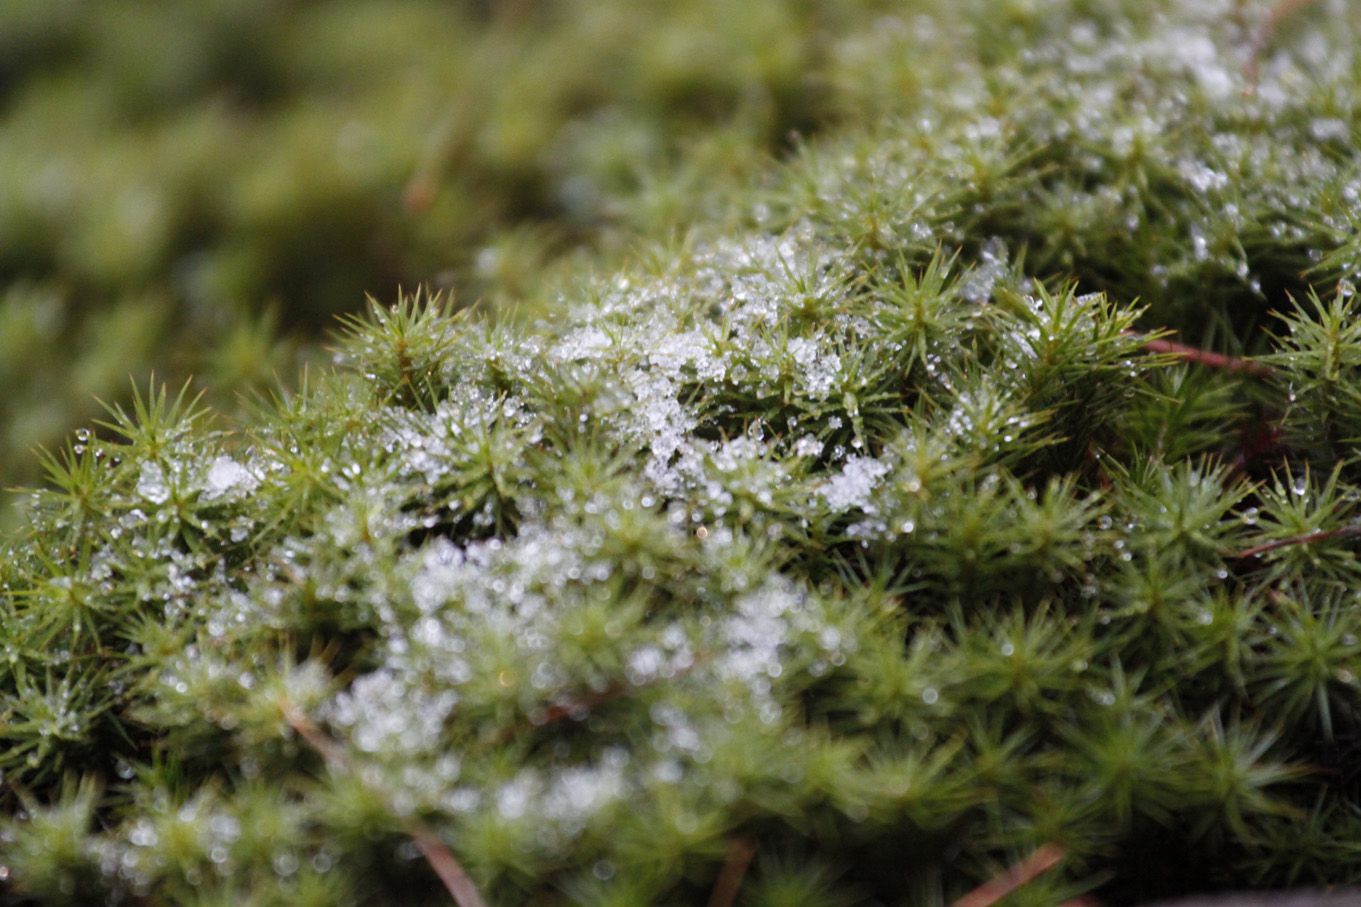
(869, 528)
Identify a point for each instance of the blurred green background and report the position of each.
(197, 188)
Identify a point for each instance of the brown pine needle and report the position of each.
(437, 854)
(1032, 867)
(729, 882)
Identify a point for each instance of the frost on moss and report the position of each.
(864, 531)
(182, 184)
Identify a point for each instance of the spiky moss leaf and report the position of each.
(851, 531)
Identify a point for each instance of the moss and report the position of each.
(870, 537)
(235, 158)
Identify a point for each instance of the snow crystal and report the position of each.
(1201, 176)
(674, 353)
(589, 342)
(385, 715)
(852, 488)
(226, 477)
(659, 416)
(563, 806)
(151, 483)
(1329, 129)
(764, 626)
(978, 285)
(645, 664)
(1206, 64)
(818, 369)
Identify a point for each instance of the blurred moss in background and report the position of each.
(198, 188)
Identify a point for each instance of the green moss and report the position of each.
(860, 532)
(216, 162)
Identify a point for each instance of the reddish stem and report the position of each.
(1209, 359)
(729, 882)
(451, 873)
(1323, 535)
(1032, 867)
(437, 854)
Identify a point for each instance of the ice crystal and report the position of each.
(852, 489)
(151, 483)
(227, 477)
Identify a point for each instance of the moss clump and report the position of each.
(873, 534)
(182, 184)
